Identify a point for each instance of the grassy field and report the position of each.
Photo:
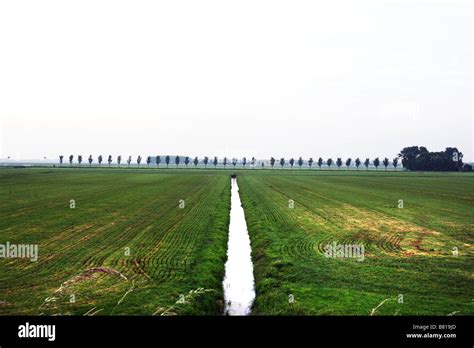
(126, 248)
(408, 260)
(409, 257)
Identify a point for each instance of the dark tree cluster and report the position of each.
(419, 158)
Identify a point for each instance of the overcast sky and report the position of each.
(234, 78)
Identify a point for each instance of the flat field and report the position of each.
(129, 246)
(417, 230)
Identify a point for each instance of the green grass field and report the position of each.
(408, 251)
(172, 250)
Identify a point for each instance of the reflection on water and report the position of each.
(239, 288)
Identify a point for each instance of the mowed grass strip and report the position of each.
(126, 248)
(409, 257)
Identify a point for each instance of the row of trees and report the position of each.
(234, 161)
(412, 158)
(157, 160)
(99, 160)
(339, 162)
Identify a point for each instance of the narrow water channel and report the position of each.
(239, 285)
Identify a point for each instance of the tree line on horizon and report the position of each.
(234, 161)
(413, 158)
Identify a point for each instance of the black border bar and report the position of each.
(261, 330)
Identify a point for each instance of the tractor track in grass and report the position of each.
(394, 242)
(407, 252)
(160, 260)
(165, 241)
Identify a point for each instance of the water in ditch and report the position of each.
(239, 285)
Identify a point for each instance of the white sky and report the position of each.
(234, 78)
